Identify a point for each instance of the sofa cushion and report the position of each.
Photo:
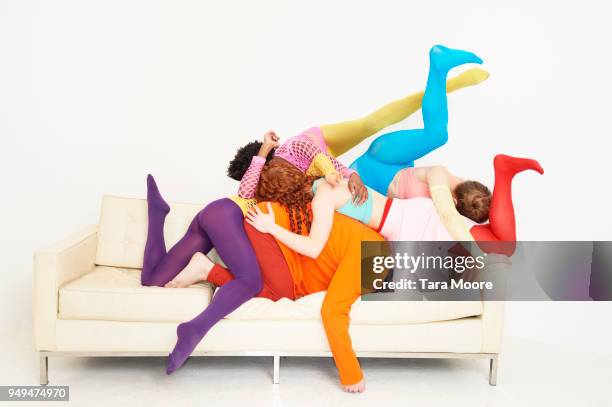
(362, 312)
(115, 294)
(122, 230)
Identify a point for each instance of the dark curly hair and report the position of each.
(283, 183)
(473, 200)
(241, 161)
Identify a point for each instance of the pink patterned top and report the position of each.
(300, 151)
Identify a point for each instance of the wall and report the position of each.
(94, 95)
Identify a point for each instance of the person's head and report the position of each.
(473, 200)
(241, 161)
(283, 183)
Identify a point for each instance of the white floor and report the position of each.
(531, 374)
(567, 362)
(554, 354)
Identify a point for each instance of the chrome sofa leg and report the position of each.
(276, 377)
(44, 369)
(493, 370)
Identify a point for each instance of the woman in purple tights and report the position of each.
(218, 225)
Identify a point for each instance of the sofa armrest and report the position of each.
(498, 268)
(53, 267)
(492, 326)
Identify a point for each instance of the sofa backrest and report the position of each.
(122, 230)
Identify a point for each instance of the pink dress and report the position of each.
(299, 150)
(406, 185)
(416, 219)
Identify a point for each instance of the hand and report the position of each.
(271, 140)
(333, 179)
(263, 222)
(358, 189)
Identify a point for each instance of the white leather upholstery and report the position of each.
(115, 294)
(53, 267)
(461, 335)
(122, 231)
(87, 297)
(362, 312)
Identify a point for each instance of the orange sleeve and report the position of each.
(344, 245)
(337, 269)
(341, 294)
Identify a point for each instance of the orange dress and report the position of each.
(337, 270)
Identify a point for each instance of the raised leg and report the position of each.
(159, 266)
(44, 369)
(499, 235)
(502, 211)
(493, 370)
(393, 151)
(341, 137)
(405, 146)
(276, 377)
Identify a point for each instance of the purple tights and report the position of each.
(218, 225)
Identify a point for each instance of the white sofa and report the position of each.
(88, 301)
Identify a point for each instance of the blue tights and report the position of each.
(391, 152)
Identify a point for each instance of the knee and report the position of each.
(442, 137)
(148, 281)
(371, 124)
(145, 281)
(249, 274)
(253, 283)
(376, 147)
(438, 135)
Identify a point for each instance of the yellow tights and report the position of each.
(341, 137)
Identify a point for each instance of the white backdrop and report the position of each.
(94, 95)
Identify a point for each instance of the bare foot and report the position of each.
(355, 388)
(197, 270)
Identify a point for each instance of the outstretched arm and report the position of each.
(342, 292)
(310, 245)
(250, 179)
(440, 181)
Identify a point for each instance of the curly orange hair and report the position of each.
(283, 183)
